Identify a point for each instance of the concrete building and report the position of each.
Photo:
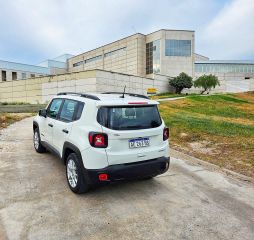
(56, 65)
(138, 61)
(165, 52)
(20, 71)
(234, 76)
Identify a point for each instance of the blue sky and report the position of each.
(34, 30)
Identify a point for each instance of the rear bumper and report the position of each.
(130, 171)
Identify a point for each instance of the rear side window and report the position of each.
(79, 111)
(68, 110)
(129, 117)
(54, 108)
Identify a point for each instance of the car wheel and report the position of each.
(75, 174)
(37, 142)
(147, 178)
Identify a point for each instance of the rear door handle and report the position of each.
(51, 125)
(65, 131)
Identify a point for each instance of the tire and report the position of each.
(75, 174)
(37, 142)
(147, 178)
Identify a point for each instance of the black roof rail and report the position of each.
(130, 94)
(80, 94)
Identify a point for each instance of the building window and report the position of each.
(3, 75)
(149, 58)
(93, 59)
(23, 75)
(114, 52)
(14, 75)
(153, 57)
(78, 64)
(99, 57)
(180, 48)
(32, 75)
(224, 68)
(96, 58)
(156, 57)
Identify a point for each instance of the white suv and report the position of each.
(103, 137)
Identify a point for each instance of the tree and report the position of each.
(180, 82)
(206, 82)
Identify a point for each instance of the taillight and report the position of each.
(165, 134)
(98, 140)
(103, 177)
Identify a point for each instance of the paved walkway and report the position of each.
(169, 99)
(188, 202)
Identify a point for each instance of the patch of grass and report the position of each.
(218, 110)
(252, 162)
(166, 95)
(8, 118)
(218, 105)
(217, 128)
(170, 95)
(218, 98)
(14, 103)
(21, 108)
(209, 126)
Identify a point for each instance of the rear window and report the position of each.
(129, 117)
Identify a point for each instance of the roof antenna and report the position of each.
(123, 92)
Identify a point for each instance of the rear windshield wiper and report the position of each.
(136, 127)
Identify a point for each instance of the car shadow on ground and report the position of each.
(133, 188)
(117, 189)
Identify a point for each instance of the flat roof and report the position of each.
(23, 67)
(173, 30)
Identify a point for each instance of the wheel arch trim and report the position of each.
(35, 125)
(72, 147)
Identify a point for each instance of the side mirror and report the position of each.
(43, 113)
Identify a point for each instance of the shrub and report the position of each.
(180, 82)
(206, 82)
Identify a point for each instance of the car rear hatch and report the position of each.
(135, 132)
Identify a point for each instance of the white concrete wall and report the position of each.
(105, 81)
(229, 82)
(50, 89)
(108, 81)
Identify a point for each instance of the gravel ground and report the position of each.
(190, 201)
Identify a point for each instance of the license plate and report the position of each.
(139, 142)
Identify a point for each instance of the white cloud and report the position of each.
(230, 35)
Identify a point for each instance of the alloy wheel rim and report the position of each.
(36, 140)
(72, 173)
